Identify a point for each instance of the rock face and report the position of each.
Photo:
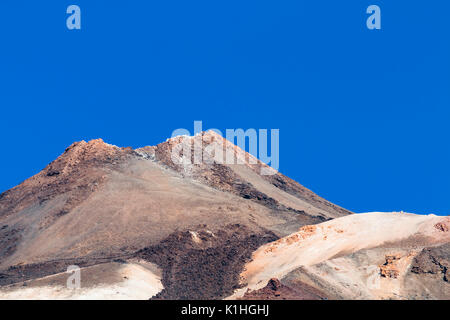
(389, 269)
(433, 261)
(98, 203)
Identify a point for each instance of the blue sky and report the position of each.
(363, 115)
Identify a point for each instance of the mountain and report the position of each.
(98, 203)
(155, 222)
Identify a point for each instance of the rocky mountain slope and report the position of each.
(99, 203)
(157, 223)
(364, 256)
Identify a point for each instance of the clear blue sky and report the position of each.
(363, 115)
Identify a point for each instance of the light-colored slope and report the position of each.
(357, 275)
(339, 237)
(397, 270)
(109, 281)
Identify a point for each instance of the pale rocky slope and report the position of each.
(363, 256)
(137, 280)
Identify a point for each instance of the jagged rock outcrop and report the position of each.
(433, 261)
(389, 269)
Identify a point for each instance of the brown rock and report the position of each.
(389, 268)
(275, 290)
(441, 227)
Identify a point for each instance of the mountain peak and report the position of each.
(94, 145)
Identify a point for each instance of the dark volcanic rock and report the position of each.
(204, 264)
(433, 261)
(275, 290)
